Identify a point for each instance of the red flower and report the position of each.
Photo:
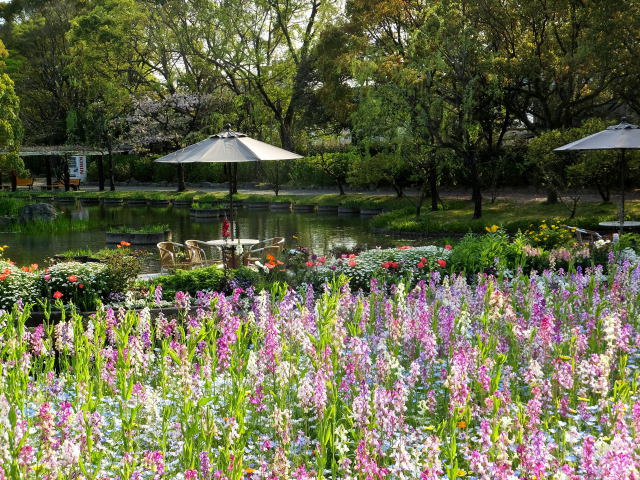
(321, 260)
(352, 263)
(6, 271)
(352, 255)
(448, 247)
(420, 265)
(226, 226)
(81, 285)
(3, 276)
(404, 247)
(58, 294)
(442, 263)
(72, 278)
(309, 263)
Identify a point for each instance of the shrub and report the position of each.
(15, 284)
(411, 263)
(478, 253)
(81, 283)
(205, 279)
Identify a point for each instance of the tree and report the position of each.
(108, 68)
(262, 50)
(10, 126)
(37, 34)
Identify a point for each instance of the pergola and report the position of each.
(67, 151)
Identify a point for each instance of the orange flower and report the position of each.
(125, 243)
(72, 278)
(58, 294)
(3, 276)
(81, 285)
(462, 424)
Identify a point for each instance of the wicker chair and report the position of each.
(169, 256)
(197, 254)
(584, 236)
(259, 251)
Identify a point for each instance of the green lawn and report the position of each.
(509, 215)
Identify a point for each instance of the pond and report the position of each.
(320, 233)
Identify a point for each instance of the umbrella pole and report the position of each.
(622, 175)
(231, 202)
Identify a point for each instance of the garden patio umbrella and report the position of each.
(622, 137)
(228, 147)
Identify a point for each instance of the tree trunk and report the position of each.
(181, 185)
(276, 187)
(14, 182)
(48, 165)
(112, 183)
(552, 196)
(65, 169)
(101, 172)
(399, 191)
(476, 193)
(433, 186)
(340, 187)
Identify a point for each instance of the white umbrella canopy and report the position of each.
(228, 147)
(623, 137)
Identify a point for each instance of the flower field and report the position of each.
(535, 377)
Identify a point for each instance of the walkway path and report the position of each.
(512, 194)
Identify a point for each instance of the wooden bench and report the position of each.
(74, 184)
(24, 182)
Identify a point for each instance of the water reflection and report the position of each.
(321, 233)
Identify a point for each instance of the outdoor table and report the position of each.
(226, 244)
(245, 242)
(629, 224)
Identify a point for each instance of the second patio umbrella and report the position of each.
(228, 147)
(622, 137)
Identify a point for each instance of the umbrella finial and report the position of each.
(227, 127)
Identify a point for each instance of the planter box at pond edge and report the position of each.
(89, 201)
(66, 200)
(136, 202)
(327, 209)
(138, 238)
(257, 205)
(280, 206)
(208, 212)
(369, 212)
(159, 203)
(182, 203)
(301, 208)
(345, 210)
(112, 202)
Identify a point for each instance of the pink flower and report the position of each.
(352, 263)
(448, 247)
(191, 474)
(47, 277)
(309, 263)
